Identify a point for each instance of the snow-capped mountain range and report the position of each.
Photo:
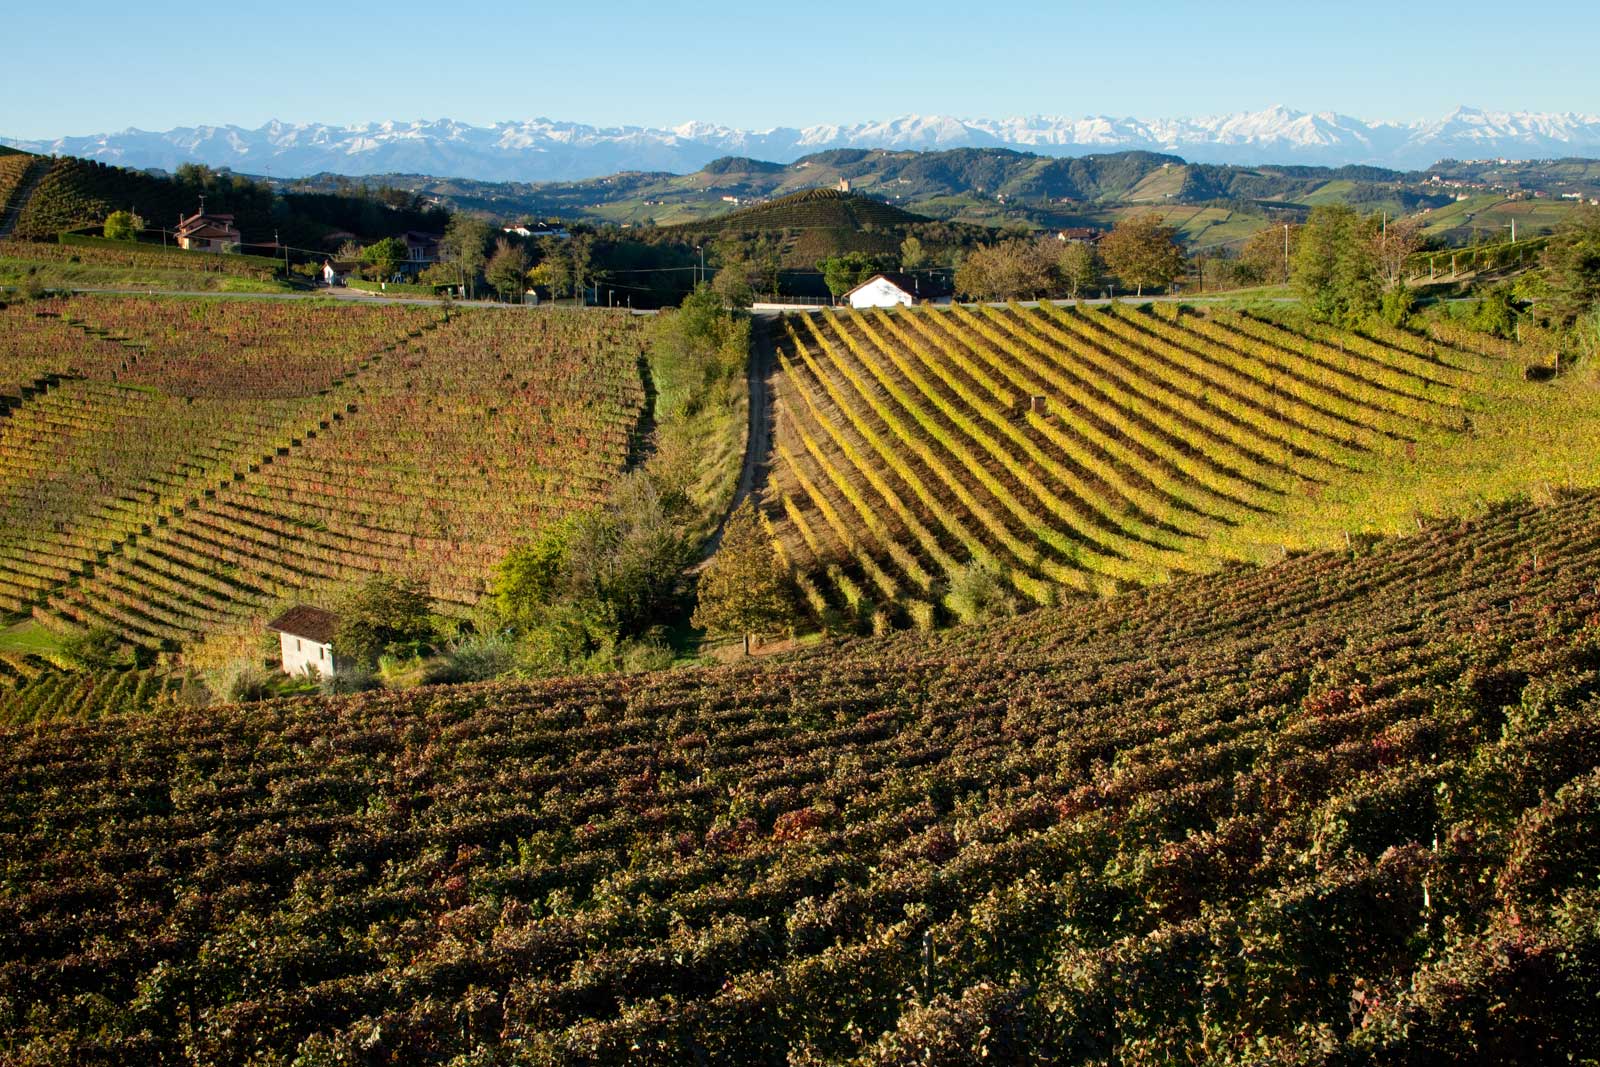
(546, 150)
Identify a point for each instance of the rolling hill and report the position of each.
(1081, 451)
(74, 193)
(812, 209)
(177, 471)
(1344, 809)
(995, 185)
(808, 226)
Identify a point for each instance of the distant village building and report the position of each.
(336, 271)
(895, 289)
(422, 250)
(545, 229)
(201, 232)
(305, 636)
(844, 185)
(1082, 235)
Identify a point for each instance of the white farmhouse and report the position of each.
(335, 271)
(884, 291)
(305, 635)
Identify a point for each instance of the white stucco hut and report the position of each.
(305, 636)
(883, 291)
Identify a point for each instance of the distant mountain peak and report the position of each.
(544, 149)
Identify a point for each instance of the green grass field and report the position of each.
(57, 275)
(1158, 186)
(1490, 216)
(29, 638)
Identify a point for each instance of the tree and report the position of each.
(1336, 266)
(732, 283)
(1395, 243)
(440, 274)
(123, 226)
(95, 649)
(530, 578)
(382, 615)
(507, 270)
(1142, 251)
(580, 251)
(554, 270)
(1079, 267)
(843, 273)
(1495, 311)
(1571, 286)
(693, 348)
(1263, 259)
(744, 589)
(465, 240)
(597, 580)
(912, 254)
(383, 258)
(1020, 267)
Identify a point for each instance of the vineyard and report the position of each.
(810, 209)
(30, 691)
(1344, 809)
(14, 167)
(169, 469)
(81, 192)
(811, 225)
(1078, 451)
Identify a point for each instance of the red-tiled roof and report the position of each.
(302, 620)
(218, 226)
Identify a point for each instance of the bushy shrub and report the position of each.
(248, 683)
(355, 679)
(978, 593)
(474, 658)
(95, 649)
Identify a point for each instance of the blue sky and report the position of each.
(84, 66)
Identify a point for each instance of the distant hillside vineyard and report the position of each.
(814, 224)
(811, 209)
(1343, 810)
(173, 468)
(1075, 451)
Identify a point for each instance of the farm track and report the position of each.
(19, 200)
(755, 467)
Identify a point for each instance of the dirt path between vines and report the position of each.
(758, 432)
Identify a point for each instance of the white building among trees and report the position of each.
(883, 291)
(305, 637)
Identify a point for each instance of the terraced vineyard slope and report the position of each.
(1078, 451)
(1342, 810)
(171, 469)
